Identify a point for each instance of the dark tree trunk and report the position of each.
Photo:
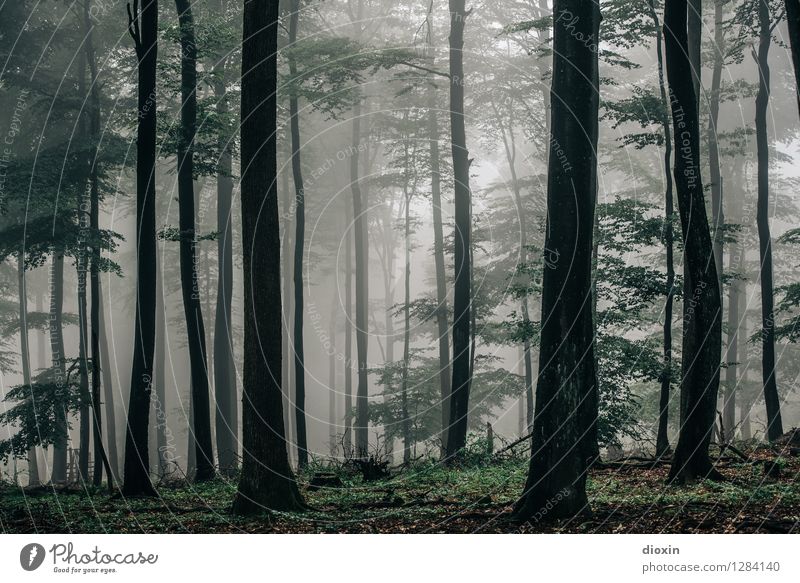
(768, 373)
(564, 429)
(190, 286)
(732, 353)
(25, 356)
(438, 248)
(662, 439)
(100, 458)
(143, 26)
(459, 396)
(793, 24)
(227, 424)
(267, 481)
(60, 445)
(81, 267)
(362, 292)
(299, 243)
(702, 312)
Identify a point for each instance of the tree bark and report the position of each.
(348, 339)
(25, 355)
(662, 438)
(143, 27)
(227, 423)
(565, 428)
(768, 372)
(267, 481)
(702, 310)
(362, 292)
(59, 475)
(299, 245)
(462, 298)
(442, 311)
(190, 286)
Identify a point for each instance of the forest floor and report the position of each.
(761, 493)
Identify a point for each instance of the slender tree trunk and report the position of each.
(662, 438)
(25, 356)
(438, 247)
(190, 286)
(362, 292)
(100, 458)
(702, 310)
(462, 299)
(771, 398)
(227, 423)
(564, 429)
(143, 27)
(59, 475)
(299, 244)
(159, 374)
(717, 214)
(348, 340)
(288, 315)
(406, 316)
(267, 480)
(732, 353)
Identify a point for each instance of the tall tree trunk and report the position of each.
(288, 315)
(190, 286)
(768, 373)
(438, 246)
(299, 244)
(100, 458)
(143, 26)
(25, 355)
(702, 310)
(462, 298)
(348, 339)
(662, 438)
(267, 480)
(227, 424)
(362, 292)
(717, 214)
(406, 313)
(59, 475)
(564, 429)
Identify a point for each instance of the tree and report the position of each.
(462, 297)
(299, 243)
(793, 24)
(702, 310)
(190, 286)
(564, 428)
(768, 373)
(266, 481)
(143, 28)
